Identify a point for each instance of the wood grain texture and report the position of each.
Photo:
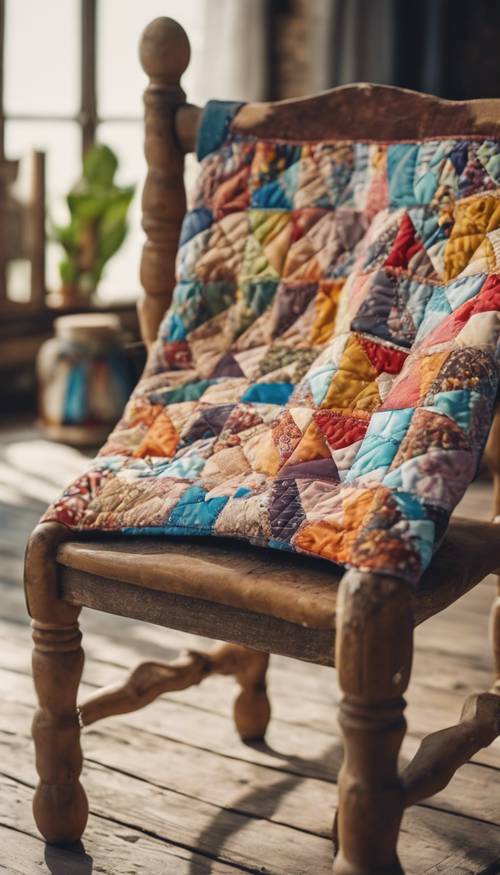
(186, 743)
(276, 605)
(361, 111)
(373, 655)
(259, 631)
(368, 112)
(289, 587)
(442, 753)
(492, 455)
(164, 53)
(60, 806)
(149, 680)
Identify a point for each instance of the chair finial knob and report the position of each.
(164, 50)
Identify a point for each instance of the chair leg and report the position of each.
(374, 650)
(252, 710)
(149, 680)
(492, 456)
(495, 637)
(60, 806)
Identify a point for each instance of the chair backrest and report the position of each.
(359, 111)
(363, 113)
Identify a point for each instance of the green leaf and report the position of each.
(98, 206)
(100, 165)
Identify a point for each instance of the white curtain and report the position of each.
(233, 63)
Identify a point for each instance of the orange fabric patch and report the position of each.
(313, 445)
(161, 439)
(332, 541)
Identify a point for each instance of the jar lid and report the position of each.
(88, 326)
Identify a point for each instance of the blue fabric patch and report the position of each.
(189, 392)
(401, 162)
(280, 545)
(214, 125)
(320, 380)
(188, 467)
(194, 512)
(194, 223)
(268, 393)
(456, 404)
(175, 328)
(242, 492)
(271, 196)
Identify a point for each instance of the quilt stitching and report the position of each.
(325, 377)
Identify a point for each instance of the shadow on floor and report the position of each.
(264, 799)
(69, 861)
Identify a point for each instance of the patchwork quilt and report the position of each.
(324, 379)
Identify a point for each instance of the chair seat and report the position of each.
(297, 589)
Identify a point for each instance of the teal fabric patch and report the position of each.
(268, 393)
(214, 125)
(401, 162)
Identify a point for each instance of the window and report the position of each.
(72, 73)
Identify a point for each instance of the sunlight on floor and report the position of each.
(37, 470)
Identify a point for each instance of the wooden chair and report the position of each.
(260, 601)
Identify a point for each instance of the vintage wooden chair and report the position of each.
(261, 601)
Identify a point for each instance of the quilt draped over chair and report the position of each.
(324, 379)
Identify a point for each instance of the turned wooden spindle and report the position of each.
(60, 806)
(164, 54)
(442, 753)
(492, 456)
(373, 656)
(150, 679)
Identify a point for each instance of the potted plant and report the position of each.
(97, 228)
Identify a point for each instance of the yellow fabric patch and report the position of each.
(262, 453)
(326, 306)
(474, 217)
(430, 365)
(354, 385)
(312, 446)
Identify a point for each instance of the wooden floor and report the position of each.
(173, 790)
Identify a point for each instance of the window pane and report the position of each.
(121, 274)
(121, 81)
(42, 55)
(61, 142)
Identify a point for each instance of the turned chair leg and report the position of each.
(252, 710)
(495, 637)
(374, 649)
(492, 456)
(60, 806)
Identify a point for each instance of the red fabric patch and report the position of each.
(406, 391)
(384, 359)
(405, 245)
(304, 219)
(488, 299)
(340, 431)
(232, 195)
(489, 296)
(177, 354)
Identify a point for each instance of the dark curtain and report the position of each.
(445, 47)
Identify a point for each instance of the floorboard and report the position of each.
(172, 788)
